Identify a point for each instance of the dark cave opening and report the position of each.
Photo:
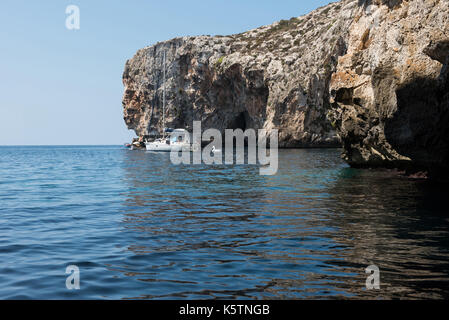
(420, 127)
(241, 121)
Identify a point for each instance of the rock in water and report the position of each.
(390, 97)
(370, 73)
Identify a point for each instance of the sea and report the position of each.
(131, 225)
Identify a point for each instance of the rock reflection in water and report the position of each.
(307, 232)
(399, 224)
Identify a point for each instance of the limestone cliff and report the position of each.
(275, 76)
(372, 74)
(390, 96)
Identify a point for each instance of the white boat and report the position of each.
(179, 139)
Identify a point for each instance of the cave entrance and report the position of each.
(419, 129)
(241, 121)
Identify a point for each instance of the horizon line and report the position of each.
(59, 145)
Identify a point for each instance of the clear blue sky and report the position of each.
(61, 86)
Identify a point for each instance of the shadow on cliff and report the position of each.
(420, 127)
(224, 99)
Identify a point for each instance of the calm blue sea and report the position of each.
(139, 227)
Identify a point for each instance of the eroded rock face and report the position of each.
(276, 76)
(389, 95)
(376, 71)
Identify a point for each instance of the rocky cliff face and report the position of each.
(371, 73)
(275, 76)
(389, 95)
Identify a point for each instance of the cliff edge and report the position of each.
(369, 74)
(390, 93)
(276, 76)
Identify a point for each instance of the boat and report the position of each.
(215, 150)
(177, 140)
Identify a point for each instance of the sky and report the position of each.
(64, 87)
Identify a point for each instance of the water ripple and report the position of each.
(141, 228)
